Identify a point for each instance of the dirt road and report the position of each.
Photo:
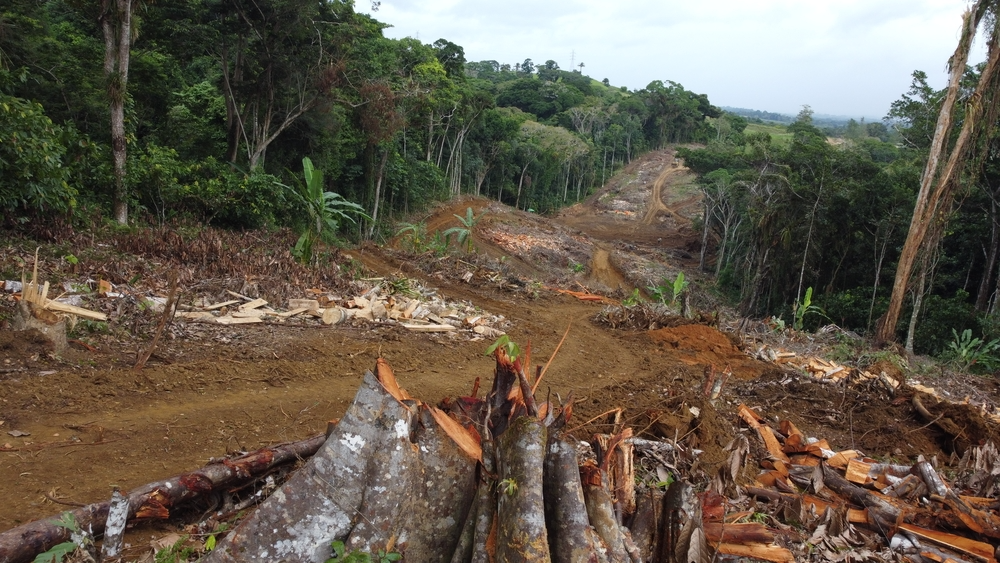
(92, 423)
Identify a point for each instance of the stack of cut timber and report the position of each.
(920, 515)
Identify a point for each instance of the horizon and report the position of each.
(850, 58)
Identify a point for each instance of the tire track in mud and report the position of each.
(656, 205)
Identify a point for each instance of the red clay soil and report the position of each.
(700, 345)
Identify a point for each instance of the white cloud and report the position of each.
(847, 57)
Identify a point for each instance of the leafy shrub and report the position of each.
(32, 176)
(208, 191)
(939, 316)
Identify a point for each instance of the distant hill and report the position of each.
(761, 115)
(821, 120)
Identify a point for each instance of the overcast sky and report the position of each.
(842, 57)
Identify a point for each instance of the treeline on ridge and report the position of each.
(222, 100)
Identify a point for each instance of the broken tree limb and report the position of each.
(168, 311)
(22, 544)
(521, 505)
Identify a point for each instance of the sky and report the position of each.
(849, 58)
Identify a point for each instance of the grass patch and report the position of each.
(779, 133)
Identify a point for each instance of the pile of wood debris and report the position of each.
(413, 308)
(500, 478)
(858, 508)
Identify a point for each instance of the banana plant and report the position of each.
(326, 210)
(464, 232)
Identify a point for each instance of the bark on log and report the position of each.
(486, 498)
(521, 505)
(22, 544)
(571, 537)
(371, 484)
(645, 525)
(601, 511)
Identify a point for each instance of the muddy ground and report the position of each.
(93, 423)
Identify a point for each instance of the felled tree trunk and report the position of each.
(154, 501)
(386, 479)
(571, 537)
(521, 502)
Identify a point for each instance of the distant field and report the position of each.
(779, 134)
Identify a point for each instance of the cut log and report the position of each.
(601, 512)
(980, 550)
(484, 543)
(645, 524)
(371, 485)
(571, 537)
(522, 536)
(22, 544)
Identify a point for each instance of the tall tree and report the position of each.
(946, 160)
(116, 26)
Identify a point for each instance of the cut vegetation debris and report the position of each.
(501, 478)
(412, 307)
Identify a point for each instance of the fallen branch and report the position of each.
(168, 311)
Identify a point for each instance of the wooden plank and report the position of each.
(74, 310)
(256, 303)
(227, 320)
(197, 316)
(251, 314)
(979, 550)
(292, 313)
(757, 551)
(766, 433)
(221, 305)
(841, 459)
(428, 328)
(771, 442)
